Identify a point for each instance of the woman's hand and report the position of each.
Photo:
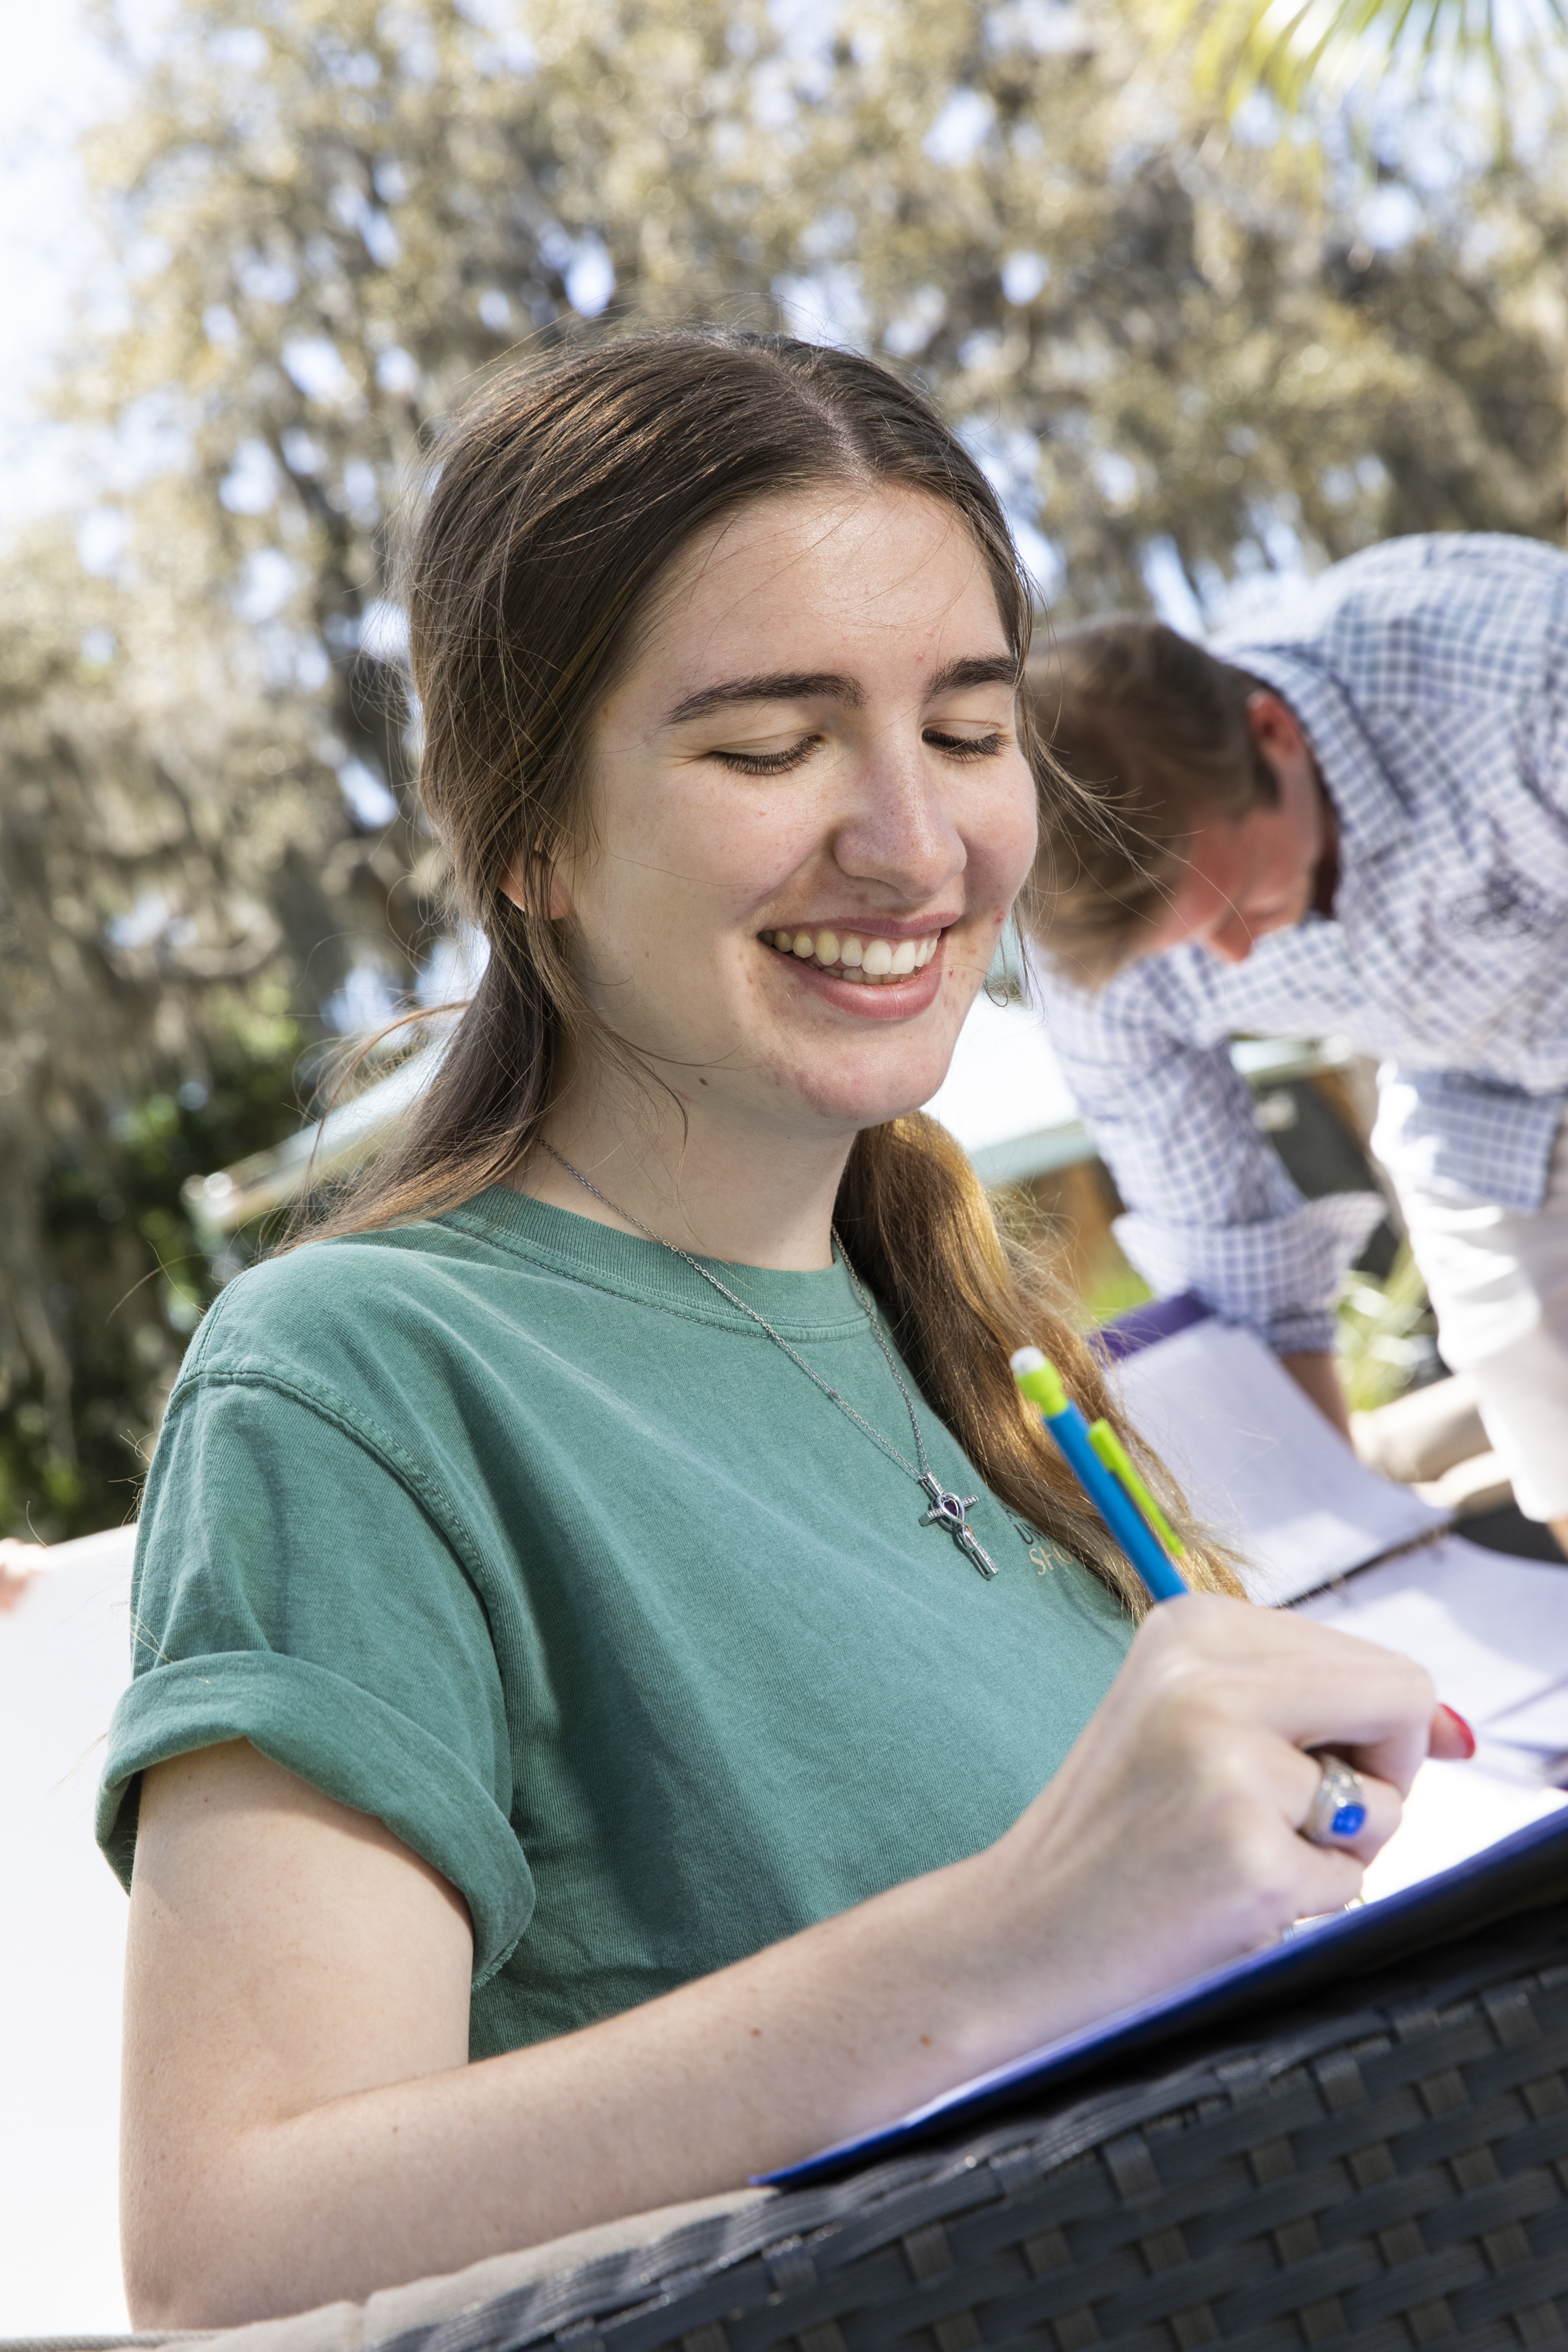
(1169, 1842)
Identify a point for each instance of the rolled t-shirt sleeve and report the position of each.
(295, 1588)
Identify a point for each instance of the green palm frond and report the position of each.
(1294, 48)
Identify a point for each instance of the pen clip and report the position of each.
(1115, 1457)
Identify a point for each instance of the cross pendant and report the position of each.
(947, 1511)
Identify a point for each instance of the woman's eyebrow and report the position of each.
(808, 686)
(975, 669)
(782, 686)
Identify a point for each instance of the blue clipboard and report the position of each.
(1522, 1873)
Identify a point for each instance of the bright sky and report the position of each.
(56, 80)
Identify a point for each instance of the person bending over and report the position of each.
(625, 1693)
(1350, 819)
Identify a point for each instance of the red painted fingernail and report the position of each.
(1455, 1717)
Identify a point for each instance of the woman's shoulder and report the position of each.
(337, 1304)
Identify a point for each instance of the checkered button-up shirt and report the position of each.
(1430, 675)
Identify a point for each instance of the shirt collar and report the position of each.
(1370, 810)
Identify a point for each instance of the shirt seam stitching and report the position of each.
(538, 1255)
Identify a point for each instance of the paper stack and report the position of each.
(1260, 1464)
(1312, 1528)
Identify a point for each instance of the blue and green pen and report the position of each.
(1107, 1476)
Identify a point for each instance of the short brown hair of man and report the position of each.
(1152, 735)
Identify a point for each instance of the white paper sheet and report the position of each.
(1493, 1632)
(1453, 1811)
(1531, 1739)
(1263, 1467)
(65, 1657)
(1260, 1464)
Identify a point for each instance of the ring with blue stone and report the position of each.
(1337, 1809)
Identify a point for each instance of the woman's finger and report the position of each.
(1451, 1740)
(1315, 1687)
(1372, 1706)
(1380, 1807)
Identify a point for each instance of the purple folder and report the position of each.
(1141, 1327)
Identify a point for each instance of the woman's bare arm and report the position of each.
(301, 2120)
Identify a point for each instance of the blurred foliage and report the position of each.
(128, 1282)
(1188, 358)
(1386, 1337)
(1115, 1291)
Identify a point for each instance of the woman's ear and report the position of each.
(520, 885)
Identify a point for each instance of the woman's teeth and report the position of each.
(853, 959)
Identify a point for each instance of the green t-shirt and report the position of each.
(507, 1528)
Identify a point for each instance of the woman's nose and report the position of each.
(899, 830)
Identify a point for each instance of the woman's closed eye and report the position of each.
(984, 746)
(966, 747)
(766, 763)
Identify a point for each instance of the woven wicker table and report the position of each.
(1388, 2167)
(1382, 2165)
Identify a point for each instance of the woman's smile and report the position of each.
(860, 954)
(870, 974)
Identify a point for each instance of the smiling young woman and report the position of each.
(624, 1692)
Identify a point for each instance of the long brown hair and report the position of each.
(559, 499)
(1155, 731)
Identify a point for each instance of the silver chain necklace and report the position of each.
(946, 1511)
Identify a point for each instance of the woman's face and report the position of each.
(810, 812)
